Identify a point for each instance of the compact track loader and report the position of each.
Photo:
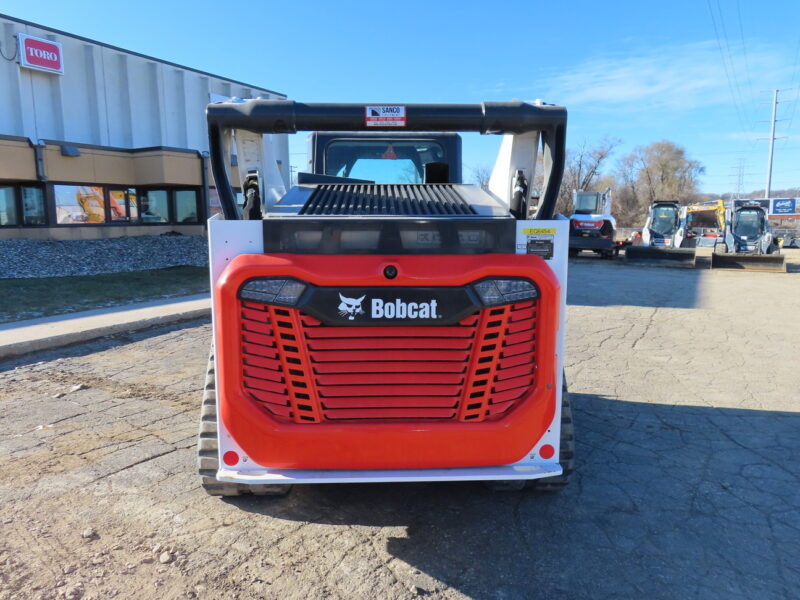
(663, 238)
(373, 331)
(748, 243)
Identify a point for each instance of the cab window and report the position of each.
(382, 161)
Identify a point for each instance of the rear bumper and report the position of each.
(273, 449)
(527, 470)
(578, 242)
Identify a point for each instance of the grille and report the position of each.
(300, 370)
(386, 199)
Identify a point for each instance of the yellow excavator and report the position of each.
(92, 204)
(705, 222)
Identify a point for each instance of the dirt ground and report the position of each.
(685, 390)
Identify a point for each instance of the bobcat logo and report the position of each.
(350, 307)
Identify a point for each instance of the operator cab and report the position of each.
(382, 157)
(588, 203)
(749, 223)
(666, 219)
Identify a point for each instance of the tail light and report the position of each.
(285, 292)
(494, 292)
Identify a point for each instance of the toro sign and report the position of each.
(41, 54)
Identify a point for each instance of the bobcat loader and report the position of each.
(747, 243)
(369, 330)
(592, 226)
(663, 238)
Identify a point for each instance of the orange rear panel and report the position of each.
(296, 393)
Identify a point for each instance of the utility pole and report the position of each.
(768, 187)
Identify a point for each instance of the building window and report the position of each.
(186, 207)
(33, 211)
(154, 206)
(214, 205)
(79, 205)
(122, 205)
(133, 205)
(8, 206)
(24, 208)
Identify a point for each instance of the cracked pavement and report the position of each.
(684, 387)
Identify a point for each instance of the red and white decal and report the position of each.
(385, 115)
(589, 224)
(40, 54)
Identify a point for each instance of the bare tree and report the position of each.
(660, 171)
(481, 175)
(582, 170)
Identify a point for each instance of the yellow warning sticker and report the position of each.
(539, 231)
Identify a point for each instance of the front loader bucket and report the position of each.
(662, 257)
(775, 263)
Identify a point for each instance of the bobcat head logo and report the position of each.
(350, 307)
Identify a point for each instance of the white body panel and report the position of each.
(517, 153)
(256, 152)
(228, 239)
(673, 241)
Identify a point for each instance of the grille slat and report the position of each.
(389, 367)
(388, 379)
(391, 343)
(393, 332)
(392, 402)
(390, 355)
(477, 369)
(390, 413)
(413, 200)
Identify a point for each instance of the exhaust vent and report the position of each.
(411, 200)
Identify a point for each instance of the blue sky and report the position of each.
(696, 72)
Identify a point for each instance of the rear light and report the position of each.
(272, 291)
(494, 292)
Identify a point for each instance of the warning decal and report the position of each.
(539, 231)
(540, 241)
(384, 115)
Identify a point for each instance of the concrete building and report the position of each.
(97, 141)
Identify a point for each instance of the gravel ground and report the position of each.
(36, 258)
(684, 387)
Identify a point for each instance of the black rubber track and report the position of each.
(208, 449)
(566, 456)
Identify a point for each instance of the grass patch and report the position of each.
(31, 298)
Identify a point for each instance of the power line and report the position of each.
(794, 76)
(734, 70)
(744, 48)
(739, 112)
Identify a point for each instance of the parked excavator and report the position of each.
(663, 238)
(748, 243)
(591, 226)
(705, 222)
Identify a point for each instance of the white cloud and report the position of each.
(672, 77)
